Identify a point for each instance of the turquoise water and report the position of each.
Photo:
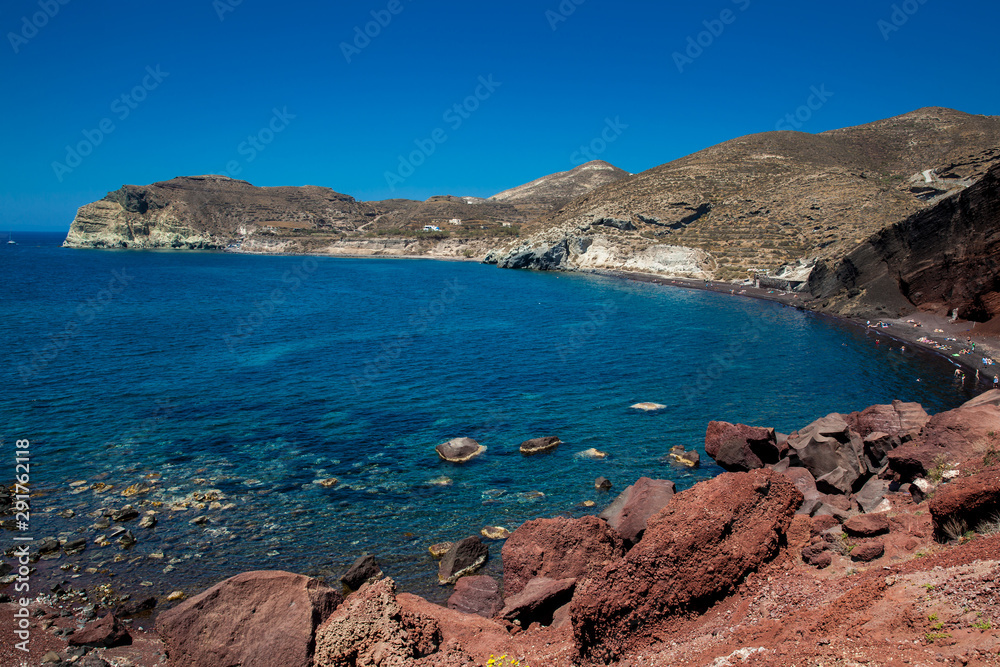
(256, 376)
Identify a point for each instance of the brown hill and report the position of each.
(550, 192)
(761, 201)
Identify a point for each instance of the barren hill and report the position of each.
(551, 192)
(764, 200)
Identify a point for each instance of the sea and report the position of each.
(218, 390)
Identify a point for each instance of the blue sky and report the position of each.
(269, 91)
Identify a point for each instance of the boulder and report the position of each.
(867, 525)
(253, 619)
(477, 595)
(364, 570)
(803, 481)
(602, 483)
(695, 551)
(832, 452)
(817, 554)
(738, 448)
(592, 454)
(648, 407)
(877, 448)
(965, 502)
(105, 632)
(871, 497)
(629, 512)
(459, 450)
(464, 557)
(371, 629)
(991, 397)
(537, 445)
(494, 532)
(903, 420)
(558, 548)
(867, 552)
(538, 601)
(949, 438)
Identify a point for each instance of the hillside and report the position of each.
(551, 192)
(764, 200)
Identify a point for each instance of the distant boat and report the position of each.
(10, 241)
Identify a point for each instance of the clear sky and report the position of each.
(99, 94)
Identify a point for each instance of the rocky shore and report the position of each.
(867, 538)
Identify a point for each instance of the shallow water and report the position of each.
(257, 376)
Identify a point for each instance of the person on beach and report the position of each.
(996, 381)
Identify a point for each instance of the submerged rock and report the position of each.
(538, 445)
(440, 549)
(592, 454)
(364, 570)
(459, 450)
(648, 407)
(495, 533)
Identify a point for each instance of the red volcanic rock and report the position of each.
(867, 552)
(477, 595)
(371, 628)
(867, 525)
(965, 501)
(900, 419)
(823, 523)
(538, 601)
(102, 633)
(629, 512)
(557, 548)
(256, 618)
(738, 448)
(949, 438)
(694, 551)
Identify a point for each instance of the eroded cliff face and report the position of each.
(938, 260)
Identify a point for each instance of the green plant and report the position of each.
(983, 625)
(937, 626)
(921, 554)
(992, 456)
(932, 618)
(929, 588)
(932, 636)
(941, 466)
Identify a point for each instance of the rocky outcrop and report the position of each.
(232, 622)
(941, 259)
(371, 629)
(630, 512)
(693, 553)
(947, 439)
(965, 503)
(558, 548)
(364, 570)
(477, 595)
(740, 448)
(832, 452)
(538, 601)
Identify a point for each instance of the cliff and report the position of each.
(941, 259)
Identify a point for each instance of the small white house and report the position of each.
(455, 221)
(431, 228)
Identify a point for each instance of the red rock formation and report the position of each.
(477, 595)
(629, 512)
(558, 548)
(965, 503)
(259, 619)
(738, 448)
(693, 553)
(949, 438)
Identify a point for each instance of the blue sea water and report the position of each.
(257, 376)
